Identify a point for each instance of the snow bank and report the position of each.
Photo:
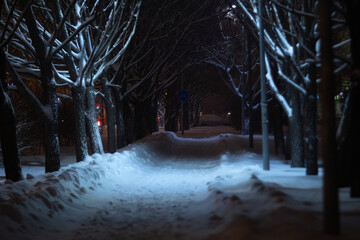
(212, 120)
(166, 187)
(34, 202)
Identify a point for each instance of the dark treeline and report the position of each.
(65, 58)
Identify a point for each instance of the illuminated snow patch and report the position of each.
(166, 187)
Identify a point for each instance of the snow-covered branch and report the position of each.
(276, 91)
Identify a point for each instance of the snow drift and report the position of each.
(165, 187)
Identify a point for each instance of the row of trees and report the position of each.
(306, 42)
(60, 43)
(127, 52)
(293, 63)
(132, 52)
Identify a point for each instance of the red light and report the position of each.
(99, 123)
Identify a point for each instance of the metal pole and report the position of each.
(244, 115)
(182, 118)
(182, 107)
(264, 111)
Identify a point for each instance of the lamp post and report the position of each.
(264, 111)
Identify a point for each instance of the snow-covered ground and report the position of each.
(166, 187)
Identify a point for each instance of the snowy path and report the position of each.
(210, 190)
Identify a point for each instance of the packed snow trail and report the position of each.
(166, 187)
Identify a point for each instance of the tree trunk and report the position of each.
(129, 123)
(331, 216)
(111, 120)
(171, 109)
(244, 113)
(186, 116)
(278, 131)
(288, 142)
(81, 148)
(51, 145)
(50, 101)
(251, 123)
(296, 121)
(197, 113)
(245, 59)
(249, 80)
(51, 139)
(297, 137)
(142, 119)
(121, 139)
(78, 92)
(50, 119)
(171, 122)
(191, 114)
(91, 122)
(154, 125)
(243, 103)
(244, 121)
(8, 129)
(311, 96)
(348, 136)
(312, 149)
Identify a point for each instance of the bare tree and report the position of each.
(8, 139)
(163, 48)
(88, 59)
(291, 38)
(9, 149)
(236, 59)
(50, 46)
(348, 131)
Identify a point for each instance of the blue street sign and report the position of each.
(183, 95)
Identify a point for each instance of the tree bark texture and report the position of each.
(249, 80)
(251, 123)
(78, 92)
(288, 142)
(120, 125)
(171, 110)
(310, 118)
(81, 147)
(197, 113)
(129, 122)
(50, 101)
(349, 144)
(331, 216)
(143, 116)
(111, 120)
(278, 131)
(154, 113)
(191, 114)
(51, 139)
(297, 136)
(171, 121)
(186, 120)
(91, 122)
(8, 129)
